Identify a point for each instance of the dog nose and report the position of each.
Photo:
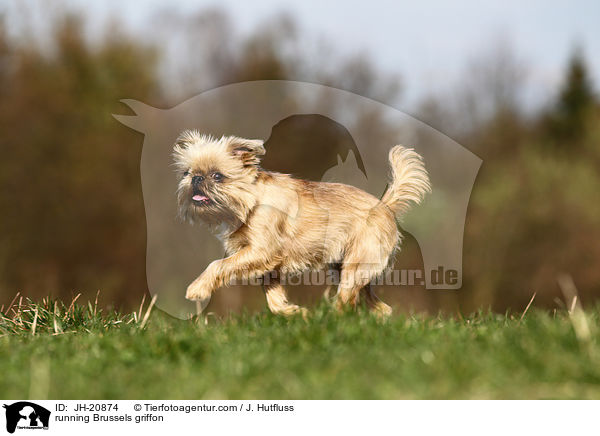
(197, 179)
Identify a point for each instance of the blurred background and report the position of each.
(516, 83)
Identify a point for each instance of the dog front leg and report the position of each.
(245, 263)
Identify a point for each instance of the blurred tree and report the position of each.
(4, 51)
(264, 55)
(483, 110)
(565, 122)
(204, 50)
(69, 174)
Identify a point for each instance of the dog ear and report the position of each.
(247, 150)
(186, 138)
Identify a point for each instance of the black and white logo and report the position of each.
(26, 415)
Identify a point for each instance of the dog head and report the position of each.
(216, 177)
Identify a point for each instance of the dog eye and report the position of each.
(218, 177)
(185, 174)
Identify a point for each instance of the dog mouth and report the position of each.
(200, 199)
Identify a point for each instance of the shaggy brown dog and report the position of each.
(273, 225)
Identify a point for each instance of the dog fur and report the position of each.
(272, 224)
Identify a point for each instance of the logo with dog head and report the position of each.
(26, 415)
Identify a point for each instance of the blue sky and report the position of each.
(428, 43)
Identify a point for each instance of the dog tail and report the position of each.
(409, 183)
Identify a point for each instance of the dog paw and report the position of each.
(197, 290)
(382, 310)
(199, 295)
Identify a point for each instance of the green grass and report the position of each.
(81, 352)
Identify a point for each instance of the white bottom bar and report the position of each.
(305, 417)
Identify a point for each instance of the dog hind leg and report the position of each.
(365, 259)
(277, 299)
(374, 304)
(334, 272)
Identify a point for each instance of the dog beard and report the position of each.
(210, 206)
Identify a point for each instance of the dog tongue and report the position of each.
(199, 197)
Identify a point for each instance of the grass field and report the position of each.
(72, 351)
